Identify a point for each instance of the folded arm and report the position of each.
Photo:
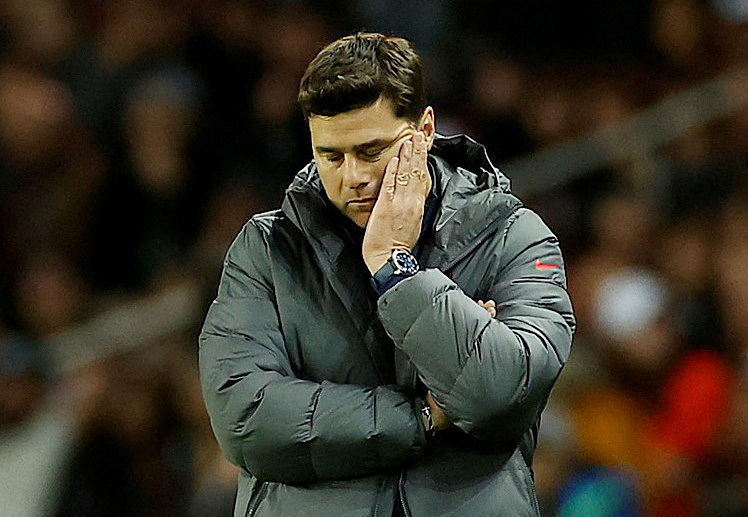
(491, 375)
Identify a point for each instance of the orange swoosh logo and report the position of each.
(544, 267)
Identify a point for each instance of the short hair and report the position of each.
(354, 71)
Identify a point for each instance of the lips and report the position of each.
(365, 203)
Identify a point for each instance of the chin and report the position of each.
(361, 219)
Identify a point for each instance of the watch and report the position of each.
(400, 265)
(403, 263)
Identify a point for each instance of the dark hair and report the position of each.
(354, 71)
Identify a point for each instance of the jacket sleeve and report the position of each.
(272, 424)
(491, 375)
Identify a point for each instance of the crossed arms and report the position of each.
(491, 375)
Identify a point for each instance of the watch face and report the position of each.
(405, 263)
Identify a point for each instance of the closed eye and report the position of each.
(372, 154)
(333, 157)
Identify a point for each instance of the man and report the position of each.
(345, 365)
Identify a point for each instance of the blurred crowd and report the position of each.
(137, 136)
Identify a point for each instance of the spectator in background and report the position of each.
(622, 226)
(149, 210)
(497, 105)
(280, 129)
(659, 416)
(51, 293)
(37, 433)
(727, 493)
(142, 445)
(50, 172)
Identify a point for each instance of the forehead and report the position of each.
(346, 130)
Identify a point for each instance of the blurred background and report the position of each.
(137, 136)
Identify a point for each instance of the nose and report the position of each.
(355, 173)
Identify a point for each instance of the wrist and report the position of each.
(400, 265)
(375, 262)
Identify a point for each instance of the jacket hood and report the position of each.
(474, 198)
(461, 151)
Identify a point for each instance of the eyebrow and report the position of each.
(377, 142)
(358, 147)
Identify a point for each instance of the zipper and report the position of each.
(400, 486)
(531, 480)
(476, 241)
(413, 375)
(535, 501)
(256, 499)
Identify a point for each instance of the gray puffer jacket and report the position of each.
(311, 382)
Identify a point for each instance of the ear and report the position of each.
(428, 126)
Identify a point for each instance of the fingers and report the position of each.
(489, 306)
(390, 175)
(419, 170)
(412, 175)
(403, 171)
(407, 174)
(438, 417)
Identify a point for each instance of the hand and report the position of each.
(490, 306)
(396, 218)
(438, 417)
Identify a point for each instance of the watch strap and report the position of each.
(385, 278)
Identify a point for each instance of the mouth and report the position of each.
(364, 203)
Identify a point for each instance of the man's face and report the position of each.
(352, 150)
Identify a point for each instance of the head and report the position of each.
(363, 97)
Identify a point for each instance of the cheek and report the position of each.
(328, 176)
(378, 171)
(331, 182)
